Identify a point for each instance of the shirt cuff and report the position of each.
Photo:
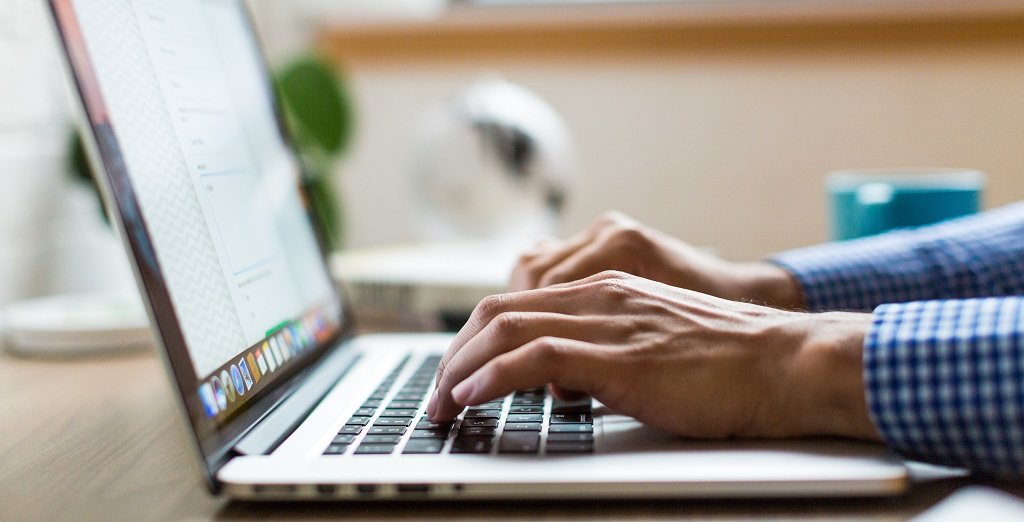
(944, 381)
(858, 275)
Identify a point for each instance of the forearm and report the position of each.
(972, 257)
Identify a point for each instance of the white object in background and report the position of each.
(422, 287)
(976, 503)
(76, 324)
(84, 253)
(496, 161)
(33, 180)
(31, 93)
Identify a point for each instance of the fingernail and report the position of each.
(432, 405)
(463, 391)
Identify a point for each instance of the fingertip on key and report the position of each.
(432, 405)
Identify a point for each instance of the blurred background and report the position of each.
(714, 120)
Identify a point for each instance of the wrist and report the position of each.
(770, 285)
(825, 378)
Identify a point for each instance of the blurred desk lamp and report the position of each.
(495, 162)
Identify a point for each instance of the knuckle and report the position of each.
(526, 259)
(530, 258)
(610, 278)
(630, 236)
(612, 217)
(616, 287)
(507, 322)
(491, 306)
(546, 351)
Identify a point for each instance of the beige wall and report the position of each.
(722, 138)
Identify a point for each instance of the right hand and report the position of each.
(615, 241)
(677, 360)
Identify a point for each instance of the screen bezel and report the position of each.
(213, 441)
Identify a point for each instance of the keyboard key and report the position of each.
(570, 428)
(522, 426)
(343, 439)
(358, 420)
(424, 446)
(365, 412)
(398, 413)
(525, 409)
(378, 395)
(571, 418)
(524, 417)
(534, 392)
(493, 405)
(387, 430)
(476, 431)
(570, 447)
(351, 429)
(483, 414)
(382, 439)
(336, 449)
(404, 405)
(392, 421)
(372, 403)
(519, 442)
(580, 406)
(528, 401)
(472, 445)
(481, 423)
(440, 433)
(375, 449)
(410, 396)
(570, 437)
(425, 424)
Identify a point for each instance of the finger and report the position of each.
(606, 252)
(565, 394)
(533, 265)
(564, 362)
(563, 298)
(505, 333)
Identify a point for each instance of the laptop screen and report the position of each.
(208, 191)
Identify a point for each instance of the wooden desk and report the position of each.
(100, 439)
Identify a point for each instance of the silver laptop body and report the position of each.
(281, 400)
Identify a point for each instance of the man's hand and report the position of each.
(617, 242)
(681, 361)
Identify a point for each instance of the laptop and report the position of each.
(281, 399)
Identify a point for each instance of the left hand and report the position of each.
(681, 361)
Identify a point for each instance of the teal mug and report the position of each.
(870, 201)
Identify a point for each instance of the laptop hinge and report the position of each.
(266, 435)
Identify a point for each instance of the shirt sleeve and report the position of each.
(977, 256)
(944, 381)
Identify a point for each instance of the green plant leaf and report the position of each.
(317, 104)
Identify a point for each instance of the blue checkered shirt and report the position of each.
(944, 358)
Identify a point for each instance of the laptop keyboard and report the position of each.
(528, 422)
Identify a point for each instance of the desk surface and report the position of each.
(100, 439)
